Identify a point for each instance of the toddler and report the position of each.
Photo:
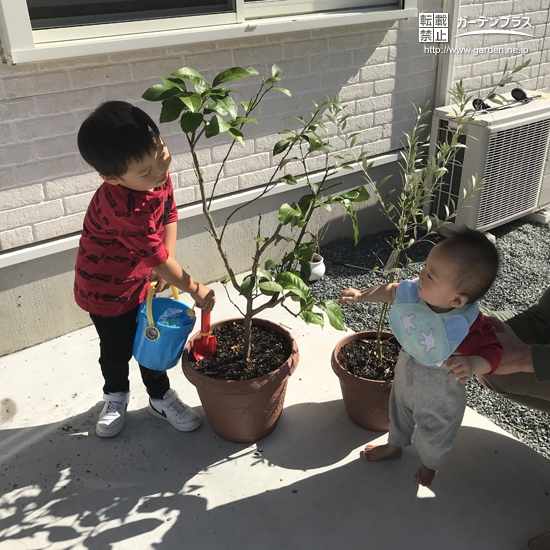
(444, 339)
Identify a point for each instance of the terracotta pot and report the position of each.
(243, 411)
(366, 401)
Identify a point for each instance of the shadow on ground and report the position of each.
(302, 487)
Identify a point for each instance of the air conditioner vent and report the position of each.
(508, 146)
(513, 171)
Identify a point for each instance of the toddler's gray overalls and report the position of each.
(426, 396)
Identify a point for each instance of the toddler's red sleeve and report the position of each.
(482, 341)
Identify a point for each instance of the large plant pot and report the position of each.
(366, 401)
(243, 411)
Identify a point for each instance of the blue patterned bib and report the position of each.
(427, 336)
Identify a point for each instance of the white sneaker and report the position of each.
(111, 418)
(173, 409)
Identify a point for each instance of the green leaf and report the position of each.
(275, 70)
(265, 275)
(294, 284)
(225, 106)
(171, 109)
(236, 134)
(313, 318)
(270, 286)
(158, 92)
(192, 101)
(235, 73)
(247, 285)
(216, 125)
(305, 202)
(225, 126)
(350, 209)
(522, 66)
(366, 165)
(359, 194)
(225, 279)
(287, 214)
(289, 179)
(187, 73)
(179, 81)
(306, 252)
(190, 122)
(218, 93)
(280, 146)
(319, 146)
(505, 81)
(243, 120)
(305, 271)
(283, 91)
(334, 314)
(269, 264)
(212, 127)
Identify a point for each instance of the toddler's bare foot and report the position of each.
(380, 452)
(424, 475)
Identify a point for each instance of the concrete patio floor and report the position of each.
(304, 486)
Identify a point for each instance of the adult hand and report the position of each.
(517, 355)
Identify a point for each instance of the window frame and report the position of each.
(259, 9)
(22, 44)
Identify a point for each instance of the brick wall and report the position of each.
(489, 53)
(376, 69)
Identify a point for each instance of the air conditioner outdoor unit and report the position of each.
(508, 146)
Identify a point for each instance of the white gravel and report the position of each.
(524, 275)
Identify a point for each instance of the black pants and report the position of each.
(116, 338)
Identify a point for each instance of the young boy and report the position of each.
(129, 240)
(437, 322)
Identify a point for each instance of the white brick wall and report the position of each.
(476, 66)
(376, 69)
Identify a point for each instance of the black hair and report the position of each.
(116, 134)
(476, 260)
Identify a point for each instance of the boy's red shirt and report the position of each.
(122, 239)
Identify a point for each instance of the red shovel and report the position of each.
(205, 346)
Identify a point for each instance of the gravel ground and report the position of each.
(524, 275)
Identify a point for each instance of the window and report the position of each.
(68, 13)
(255, 9)
(35, 30)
